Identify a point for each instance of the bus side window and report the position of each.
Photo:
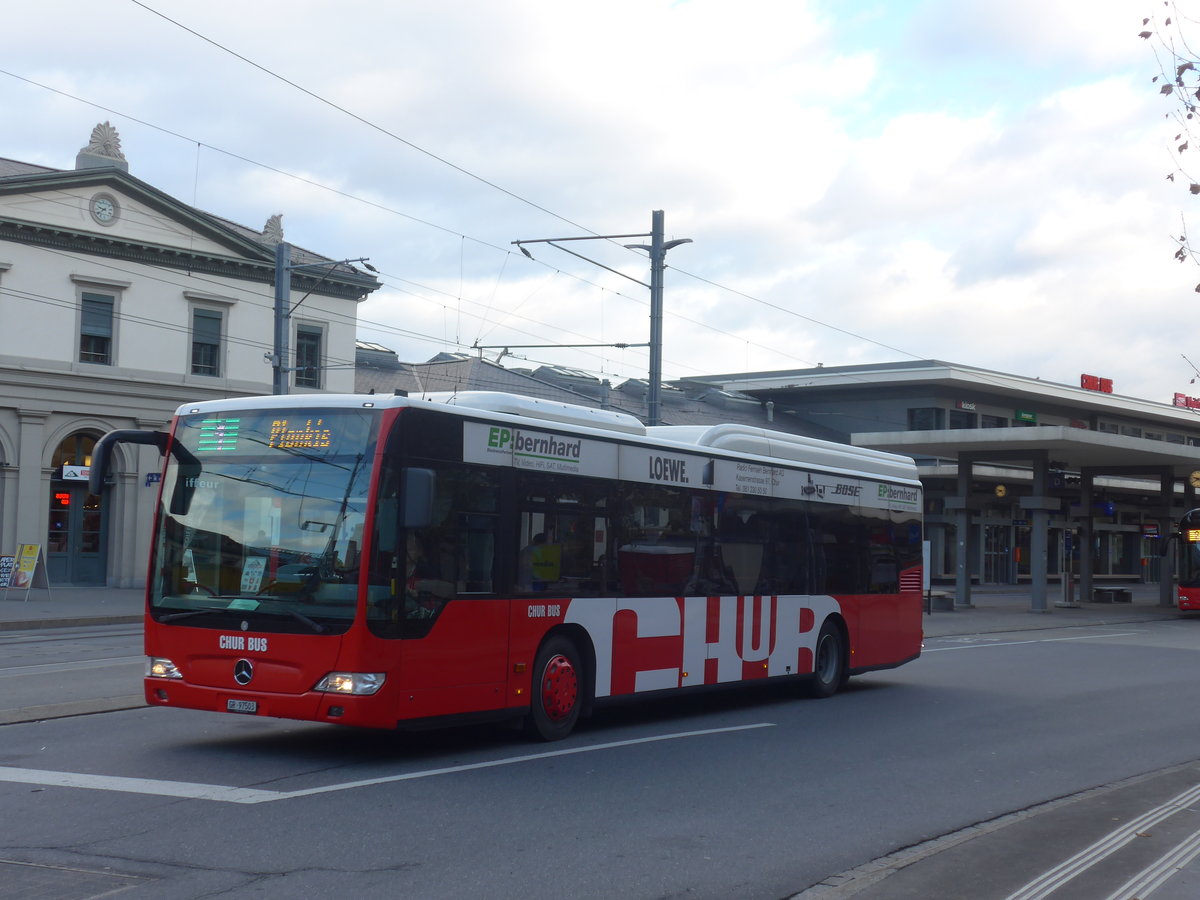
(742, 548)
(846, 552)
(428, 581)
(459, 540)
(476, 552)
(662, 544)
(563, 536)
(385, 522)
(790, 560)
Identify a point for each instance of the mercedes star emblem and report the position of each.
(243, 671)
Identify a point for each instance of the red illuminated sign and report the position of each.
(1096, 383)
(1187, 402)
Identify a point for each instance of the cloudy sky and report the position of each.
(862, 180)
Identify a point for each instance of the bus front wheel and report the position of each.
(829, 662)
(558, 686)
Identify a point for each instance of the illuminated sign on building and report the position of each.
(1096, 383)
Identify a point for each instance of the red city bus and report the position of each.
(390, 561)
(1188, 532)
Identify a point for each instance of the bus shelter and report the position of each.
(1046, 449)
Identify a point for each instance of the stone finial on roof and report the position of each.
(273, 230)
(103, 150)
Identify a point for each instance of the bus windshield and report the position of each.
(262, 519)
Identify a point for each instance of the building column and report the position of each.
(8, 509)
(1166, 571)
(962, 537)
(33, 501)
(1040, 507)
(1086, 495)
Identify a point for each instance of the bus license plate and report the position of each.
(241, 706)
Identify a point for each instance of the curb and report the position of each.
(77, 622)
(26, 714)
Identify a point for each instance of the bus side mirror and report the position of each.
(189, 466)
(102, 452)
(417, 487)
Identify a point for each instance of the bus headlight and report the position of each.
(161, 667)
(351, 682)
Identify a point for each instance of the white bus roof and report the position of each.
(744, 440)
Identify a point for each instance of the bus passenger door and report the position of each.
(454, 655)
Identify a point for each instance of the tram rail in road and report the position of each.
(91, 671)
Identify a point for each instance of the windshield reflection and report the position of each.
(269, 532)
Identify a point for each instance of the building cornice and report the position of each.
(163, 256)
(248, 260)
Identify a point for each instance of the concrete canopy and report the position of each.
(1073, 449)
(1046, 447)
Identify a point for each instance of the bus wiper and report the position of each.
(298, 616)
(174, 617)
(314, 625)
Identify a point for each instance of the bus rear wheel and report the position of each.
(557, 690)
(829, 662)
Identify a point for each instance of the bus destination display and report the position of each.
(240, 434)
(290, 434)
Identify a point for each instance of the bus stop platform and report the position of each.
(998, 608)
(994, 608)
(70, 607)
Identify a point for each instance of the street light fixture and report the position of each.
(657, 248)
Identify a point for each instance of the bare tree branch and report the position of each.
(1178, 80)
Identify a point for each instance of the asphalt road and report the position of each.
(69, 671)
(969, 773)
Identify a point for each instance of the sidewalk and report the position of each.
(1009, 608)
(1005, 608)
(66, 607)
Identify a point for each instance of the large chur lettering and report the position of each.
(651, 643)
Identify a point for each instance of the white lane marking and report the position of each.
(43, 668)
(980, 645)
(183, 789)
(1053, 879)
(1155, 875)
(571, 751)
(224, 794)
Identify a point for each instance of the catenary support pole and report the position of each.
(283, 284)
(657, 264)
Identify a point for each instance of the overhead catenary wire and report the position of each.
(376, 127)
(462, 170)
(467, 173)
(383, 327)
(423, 222)
(66, 199)
(361, 119)
(245, 295)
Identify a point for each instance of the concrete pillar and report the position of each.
(1086, 496)
(1166, 577)
(8, 517)
(962, 537)
(33, 499)
(1039, 539)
